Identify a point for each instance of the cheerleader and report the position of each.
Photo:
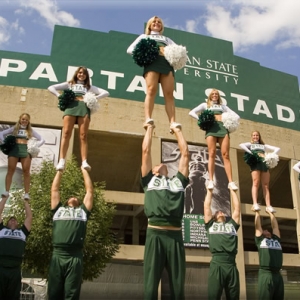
(259, 171)
(76, 112)
(22, 132)
(217, 133)
(158, 71)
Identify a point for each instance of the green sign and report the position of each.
(193, 231)
(254, 92)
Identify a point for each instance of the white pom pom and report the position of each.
(230, 121)
(32, 147)
(271, 160)
(91, 102)
(176, 55)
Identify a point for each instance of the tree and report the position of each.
(100, 243)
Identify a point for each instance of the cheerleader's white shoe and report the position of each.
(5, 194)
(148, 122)
(210, 185)
(174, 125)
(270, 209)
(256, 207)
(232, 186)
(86, 166)
(61, 165)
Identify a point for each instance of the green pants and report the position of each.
(10, 283)
(164, 249)
(65, 277)
(223, 274)
(270, 285)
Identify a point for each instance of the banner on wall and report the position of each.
(193, 229)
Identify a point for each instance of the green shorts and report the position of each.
(217, 130)
(77, 109)
(19, 150)
(160, 65)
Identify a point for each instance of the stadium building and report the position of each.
(266, 100)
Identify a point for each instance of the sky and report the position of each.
(265, 31)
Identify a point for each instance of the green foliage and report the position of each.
(100, 243)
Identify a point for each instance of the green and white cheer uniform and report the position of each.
(223, 273)
(65, 272)
(164, 205)
(259, 149)
(20, 150)
(77, 108)
(160, 65)
(270, 282)
(12, 247)
(217, 129)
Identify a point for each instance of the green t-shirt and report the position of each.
(222, 237)
(69, 227)
(164, 199)
(12, 246)
(270, 252)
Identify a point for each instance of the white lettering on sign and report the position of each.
(112, 78)
(211, 69)
(261, 107)
(43, 70)
(12, 65)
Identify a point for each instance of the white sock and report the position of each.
(62, 160)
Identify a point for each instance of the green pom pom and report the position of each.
(206, 120)
(252, 159)
(299, 177)
(65, 99)
(145, 52)
(8, 143)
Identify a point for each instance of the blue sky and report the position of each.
(266, 31)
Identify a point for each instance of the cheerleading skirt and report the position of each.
(160, 65)
(261, 166)
(77, 109)
(217, 130)
(19, 150)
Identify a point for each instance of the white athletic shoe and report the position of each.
(210, 185)
(61, 165)
(148, 122)
(26, 196)
(5, 194)
(174, 125)
(256, 207)
(270, 209)
(86, 166)
(232, 186)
